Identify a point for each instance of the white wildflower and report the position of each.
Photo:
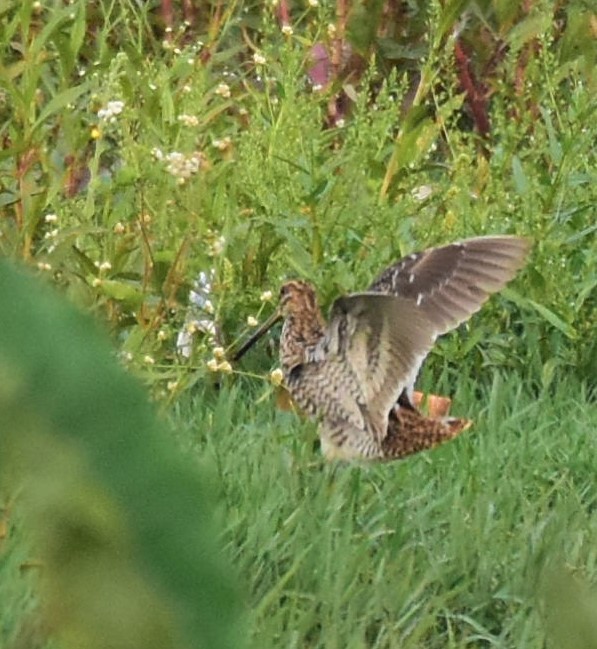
(104, 265)
(223, 144)
(223, 90)
(276, 376)
(189, 120)
(217, 247)
(258, 58)
(112, 109)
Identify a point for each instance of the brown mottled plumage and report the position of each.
(356, 373)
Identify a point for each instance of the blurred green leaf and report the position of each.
(570, 611)
(122, 522)
(122, 291)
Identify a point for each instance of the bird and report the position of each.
(355, 372)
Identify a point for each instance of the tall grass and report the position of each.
(451, 548)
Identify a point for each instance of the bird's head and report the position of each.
(297, 298)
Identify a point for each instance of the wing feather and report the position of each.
(378, 339)
(450, 283)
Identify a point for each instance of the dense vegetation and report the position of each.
(149, 150)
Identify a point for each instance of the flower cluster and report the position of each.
(223, 90)
(109, 113)
(222, 145)
(188, 120)
(219, 363)
(180, 165)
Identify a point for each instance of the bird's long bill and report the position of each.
(265, 327)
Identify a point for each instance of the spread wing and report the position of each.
(370, 346)
(450, 283)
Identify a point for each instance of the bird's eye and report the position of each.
(284, 291)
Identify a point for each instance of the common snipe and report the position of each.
(356, 372)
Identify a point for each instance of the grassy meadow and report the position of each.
(151, 150)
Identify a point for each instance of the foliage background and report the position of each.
(250, 141)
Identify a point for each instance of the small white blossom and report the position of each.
(287, 30)
(148, 360)
(212, 365)
(332, 30)
(51, 218)
(163, 335)
(183, 166)
(258, 58)
(104, 265)
(252, 321)
(219, 353)
(313, 3)
(223, 89)
(189, 120)
(266, 296)
(44, 266)
(208, 307)
(187, 88)
(223, 144)
(217, 247)
(112, 109)
(276, 376)
(225, 367)
(118, 228)
(172, 386)
(96, 282)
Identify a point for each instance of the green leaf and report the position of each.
(520, 180)
(60, 101)
(122, 522)
(553, 319)
(121, 291)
